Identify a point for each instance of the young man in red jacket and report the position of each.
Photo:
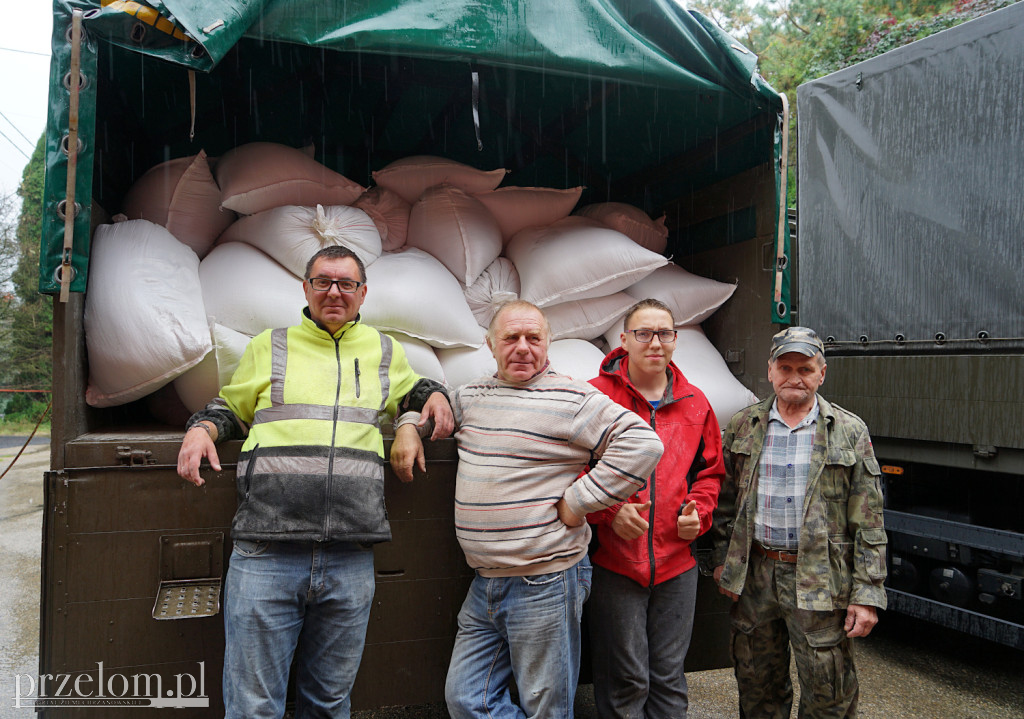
(645, 577)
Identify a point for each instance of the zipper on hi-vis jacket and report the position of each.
(357, 377)
(334, 432)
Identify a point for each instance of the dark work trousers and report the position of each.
(766, 623)
(638, 637)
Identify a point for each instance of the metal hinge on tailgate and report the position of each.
(134, 457)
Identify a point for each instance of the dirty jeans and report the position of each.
(522, 629)
(307, 599)
(765, 624)
(638, 641)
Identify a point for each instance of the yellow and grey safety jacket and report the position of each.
(312, 465)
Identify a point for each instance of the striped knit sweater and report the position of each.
(522, 447)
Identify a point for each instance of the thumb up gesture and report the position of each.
(629, 523)
(688, 523)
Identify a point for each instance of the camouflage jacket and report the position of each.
(841, 556)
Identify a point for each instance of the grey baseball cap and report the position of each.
(796, 339)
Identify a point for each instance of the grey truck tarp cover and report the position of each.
(641, 102)
(912, 194)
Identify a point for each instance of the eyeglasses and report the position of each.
(323, 284)
(645, 336)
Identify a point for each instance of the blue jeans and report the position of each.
(310, 600)
(638, 641)
(525, 629)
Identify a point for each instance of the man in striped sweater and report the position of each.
(525, 438)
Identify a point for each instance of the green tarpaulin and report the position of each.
(641, 102)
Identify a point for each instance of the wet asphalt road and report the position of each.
(907, 670)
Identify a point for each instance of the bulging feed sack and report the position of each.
(145, 323)
(691, 298)
(516, 208)
(197, 386)
(631, 221)
(182, 196)
(577, 358)
(420, 355)
(704, 366)
(410, 176)
(496, 285)
(456, 229)
(292, 234)
(587, 319)
(259, 176)
(463, 365)
(411, 292)
(576, 259)
(390, 213)
(248, 291)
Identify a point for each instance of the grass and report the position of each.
(23, 428)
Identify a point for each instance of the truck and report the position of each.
(646, 103)
(910, 258)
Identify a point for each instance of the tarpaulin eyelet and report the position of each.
(64, 145)
(83, 81)
(58, 275)
(62, 207)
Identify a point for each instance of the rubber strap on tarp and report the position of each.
(75, 84)
(781, 261)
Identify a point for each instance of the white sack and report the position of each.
(202, 383)
(497, 284)
(410, 176)
(144, 318)
(456, 229)
(421, 356)
(182, 196)
(577, 358)
(292, 234)
(631, 221)
(463, 365)
(691, 298)
(259, 176)
(704, 366)
(516, 208)
(165, 407)
(587, 319)
(247, 291)
(390, 213)
(575, 259)
(409, 291)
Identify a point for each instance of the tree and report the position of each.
(27, 345)
(800, 40)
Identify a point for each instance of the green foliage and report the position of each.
(22, 408)
(25, 345)
(800, 40)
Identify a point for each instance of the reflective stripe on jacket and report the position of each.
(312, 466)
(690, 468)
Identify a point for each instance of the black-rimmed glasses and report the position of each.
(323, 284)
(645, 336)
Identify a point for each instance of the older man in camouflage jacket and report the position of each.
(799, 543)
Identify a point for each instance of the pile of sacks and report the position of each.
(204, 259)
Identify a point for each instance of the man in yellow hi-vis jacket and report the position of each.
(310, 479)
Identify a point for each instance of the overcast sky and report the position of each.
(24, 74)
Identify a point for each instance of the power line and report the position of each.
(15, 127)
(14, 145)
(26, 52)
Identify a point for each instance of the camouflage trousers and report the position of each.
(765, 624)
